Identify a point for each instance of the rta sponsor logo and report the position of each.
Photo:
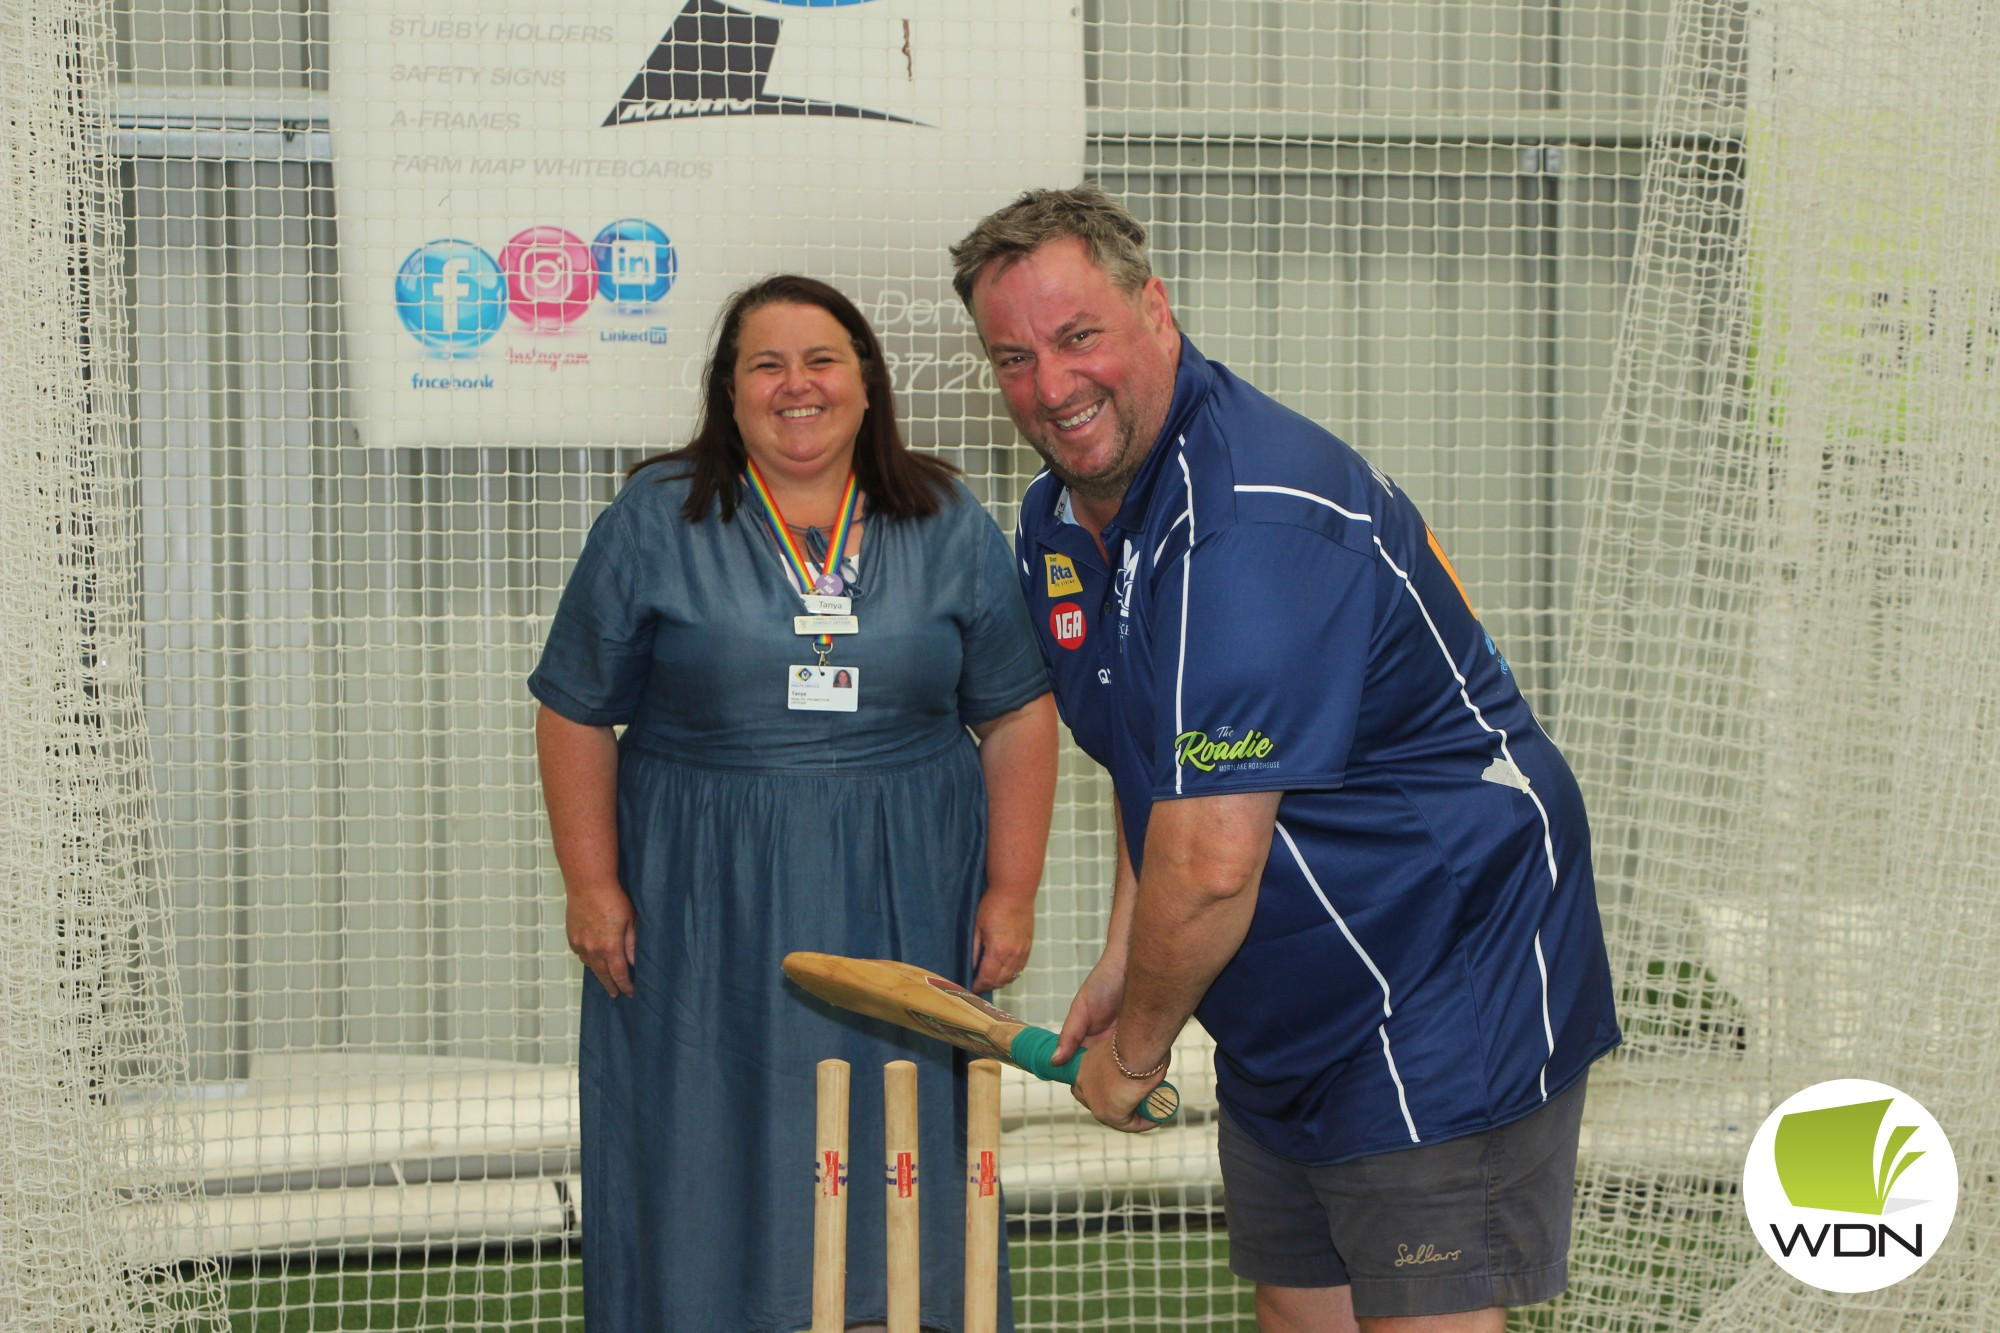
(715, 61)
(1850, 1185)
(1062, 576)
(453, 296)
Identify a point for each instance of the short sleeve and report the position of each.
(1003, 664)
(1260, 648)
(600, 647)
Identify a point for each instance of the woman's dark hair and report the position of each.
(897, 482)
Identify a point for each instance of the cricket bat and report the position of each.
(925, 1002)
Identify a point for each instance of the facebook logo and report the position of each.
(635, 263)
(451, 296)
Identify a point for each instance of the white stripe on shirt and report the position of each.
(1308, 495)
(1388, 1007)
(1506, 751)
(1187, 571)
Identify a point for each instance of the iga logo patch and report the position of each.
(1066, 623)
(1062, 575)
(1850, 1185)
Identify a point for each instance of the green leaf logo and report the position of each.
(1819, 1173)
(1826, 1158)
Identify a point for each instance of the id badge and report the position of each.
(823, 689)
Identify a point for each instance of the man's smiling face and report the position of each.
(1087, 369)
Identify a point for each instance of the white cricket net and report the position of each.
(1781, 675)
(92, 1051)
(1417, 222)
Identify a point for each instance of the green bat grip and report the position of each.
(1035, 1048)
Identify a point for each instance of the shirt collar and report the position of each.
(1064, 514)
(1192, 383)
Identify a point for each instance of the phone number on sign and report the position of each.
(926, 372)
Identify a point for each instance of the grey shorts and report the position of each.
(1461, 1225)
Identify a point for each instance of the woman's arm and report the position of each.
(1017, 757)
(580, 788)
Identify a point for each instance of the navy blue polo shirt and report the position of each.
(1425, 960)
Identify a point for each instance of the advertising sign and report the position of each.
(541, 208)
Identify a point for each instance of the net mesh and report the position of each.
(1777, 685)
(94, 1143)
(297, 761)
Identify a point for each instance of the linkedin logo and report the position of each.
(635, 262)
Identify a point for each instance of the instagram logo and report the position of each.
(451, 296)
(550, 278)
(635, 263)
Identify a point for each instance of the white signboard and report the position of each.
(542, 208)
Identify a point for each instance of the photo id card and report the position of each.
(823, 689)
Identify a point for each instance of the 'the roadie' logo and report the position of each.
(715, 60)
(1850, 1185)
(1197, 749)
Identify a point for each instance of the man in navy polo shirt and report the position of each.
(1344, 844)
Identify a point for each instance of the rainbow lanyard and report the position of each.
(829, 583)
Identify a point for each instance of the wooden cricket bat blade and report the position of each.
(922, 1001)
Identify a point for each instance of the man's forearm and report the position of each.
(1124, 895)
(1197, 892)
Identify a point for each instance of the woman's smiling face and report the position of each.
(798, 394)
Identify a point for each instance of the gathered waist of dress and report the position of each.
(802, 759)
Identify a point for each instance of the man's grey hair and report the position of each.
(1116, 240)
